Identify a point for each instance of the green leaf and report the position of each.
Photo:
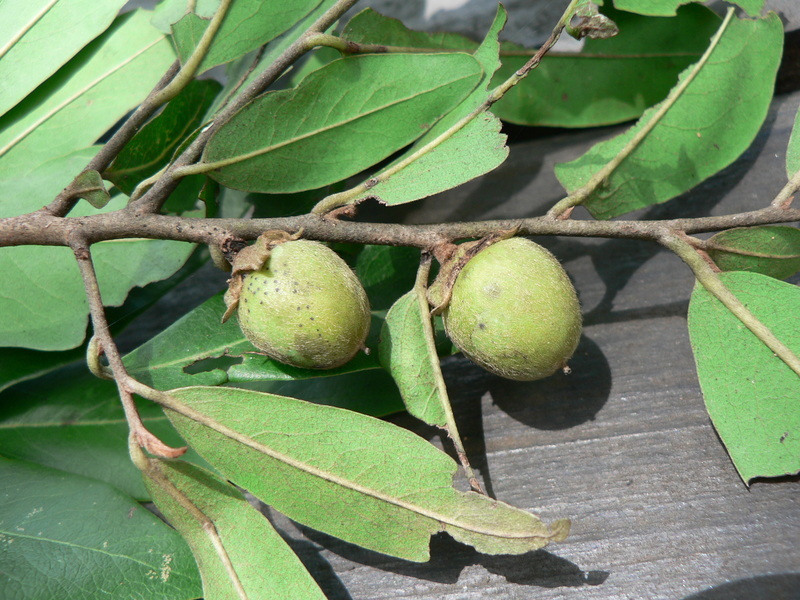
(750, 394)
(372, 392)
(404, 352)
(362, 479)
(168, 12)
(36, 38)
(18, 364)
(264, 566)
(390, 99)
(240, 70)
(445, 158)
(89, 186)
(71, 537)
(610, 80)
(247, 25)
(86, 97)
(72, 421)
(153, 146)
(706, 122)
(162, 361)
(56, 319)
(793, 151)
(371, 27)
(772, 250)
(667, 8)
(386, 273)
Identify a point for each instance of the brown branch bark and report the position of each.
(41, 228)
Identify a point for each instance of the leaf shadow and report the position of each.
(449, 558)
(761, 587)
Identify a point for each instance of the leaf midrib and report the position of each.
(192, 414)
(255, 153)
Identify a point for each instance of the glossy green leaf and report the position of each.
(372, 392)
(73, 538)
(667, 8)
(40, 286)
(153, 146)
(265, 567)
(19, 364)
(247, 25)
(706, 122)
(442, 159)
(38, 37)
(610, 80)
(86, 97)
(390, 99)
(772, 250)
(72, 421)
(386, 272)
(751, 395)
(793, 151)
(362, 479)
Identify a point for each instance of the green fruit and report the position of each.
(514, 311)
(305, 308)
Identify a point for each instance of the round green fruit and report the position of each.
(305, 308)
(514, 311)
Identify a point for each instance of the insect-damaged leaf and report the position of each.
(338, 121)
(362, 479)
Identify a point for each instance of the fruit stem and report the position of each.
(421, 289)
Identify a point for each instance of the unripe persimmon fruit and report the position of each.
(514, 311)
(305, 308)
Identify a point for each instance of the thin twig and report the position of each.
(152, 200)
(104, 343)
(64, 202)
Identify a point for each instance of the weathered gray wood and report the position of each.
(623, 445)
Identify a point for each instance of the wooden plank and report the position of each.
(623, 445)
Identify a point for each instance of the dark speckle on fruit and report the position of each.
(326, 287)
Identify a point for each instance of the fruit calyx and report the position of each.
(453, 258)
(252, 258)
